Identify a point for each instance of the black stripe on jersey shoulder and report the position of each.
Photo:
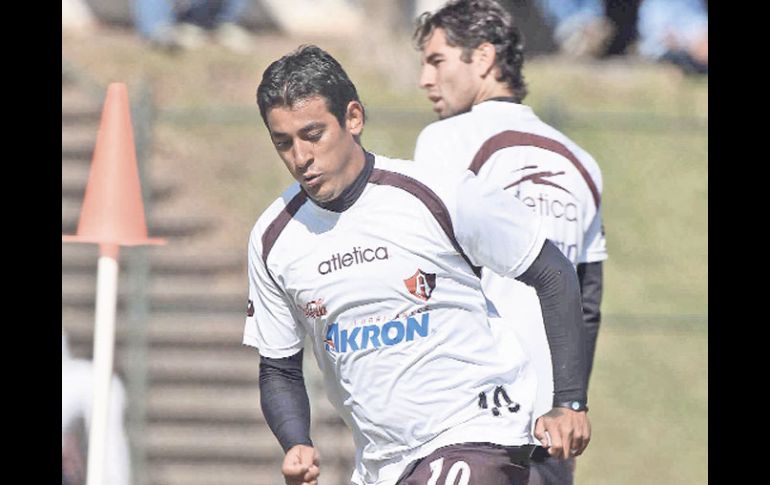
(511, 138)
(279, 223)
(429, 198)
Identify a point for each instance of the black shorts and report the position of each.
(554, 471)
(472, 464)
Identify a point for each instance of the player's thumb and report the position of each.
(540, 432)
(316, 458)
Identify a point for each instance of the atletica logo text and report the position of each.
(357, 256)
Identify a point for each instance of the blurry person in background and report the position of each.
(172, 25)
(675, 31)
(77, 17)
(671, 31)
(580, 27)
(76, 403)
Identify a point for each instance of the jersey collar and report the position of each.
(503, 103)
(507, 99)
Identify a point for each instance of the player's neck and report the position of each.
(493, 89)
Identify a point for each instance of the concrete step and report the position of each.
(180, 304)
(233, 366)
(80, 115)
(80, 136)
(78, 143)
(180, 472)
(236, 443)
(79, 107)
(171, 226)
(197, 330)
(167, 220)
(212, 443)
(193, 389)
(175, 472)
(164, 284)
(238, 364)
(75, 94)
(177, 402)
(165, 293)
(170, 259)
(80, 161)
(214, 402)
(75, 177)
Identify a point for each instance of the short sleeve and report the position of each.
(270, 326)
(495, 228)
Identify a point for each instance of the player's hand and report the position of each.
(301, 466)
(564, 432)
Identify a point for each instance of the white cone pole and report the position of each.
(104, 346)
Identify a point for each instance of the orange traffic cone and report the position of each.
(113, 212)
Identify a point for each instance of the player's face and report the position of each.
(320, 154)
(450, 83)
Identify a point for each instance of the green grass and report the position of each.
(655, 210)
(647, 127)
(648, 408)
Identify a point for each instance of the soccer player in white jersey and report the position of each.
(375, 264)
(472, 71)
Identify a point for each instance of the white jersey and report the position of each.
(386, 292)
(507, 145)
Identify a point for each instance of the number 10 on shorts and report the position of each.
(459, 473)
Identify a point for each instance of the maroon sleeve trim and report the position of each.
(279, 223)
(429, 199)
(512, 138)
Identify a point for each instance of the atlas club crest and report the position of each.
(421, 284)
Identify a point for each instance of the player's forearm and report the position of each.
(591, 287)
(554, 278)
(284, 400)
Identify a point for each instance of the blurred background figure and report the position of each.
(675, 31)
(581, 28)
(76, 401)
(76, 17)
(172, 25)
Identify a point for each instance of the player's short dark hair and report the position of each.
(469, 23)
(304, 73)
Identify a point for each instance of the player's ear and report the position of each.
(484, 57)
(354, 118)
